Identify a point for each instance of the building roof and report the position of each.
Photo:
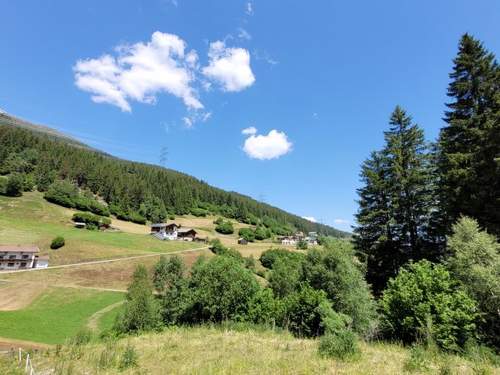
(158, 225)
(185, 230)
(19, 248)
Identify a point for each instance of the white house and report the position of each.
(289, 240)
(18, 257)
(172, 231)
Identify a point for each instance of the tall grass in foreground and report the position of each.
(236, 349)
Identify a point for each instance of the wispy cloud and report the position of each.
(249, 8)
(341, 222)
(310, 218)
(264, 56)
(243, 34)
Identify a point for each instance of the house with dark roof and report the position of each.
(172, 231)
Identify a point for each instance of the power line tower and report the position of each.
(164, 156)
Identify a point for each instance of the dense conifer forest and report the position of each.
(35, 157)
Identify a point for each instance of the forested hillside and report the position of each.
(37, 157)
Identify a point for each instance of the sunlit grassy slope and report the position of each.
(203, 350)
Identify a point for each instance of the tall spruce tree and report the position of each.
(469, 145)
(396, 202)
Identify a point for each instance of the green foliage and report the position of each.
(342, 345)
(141, 311)
(221, 290)
(14, 186)
(302, 314)
(396, 202)
(334, 270)
(269, 257)
(199, 212)
(262, 233)
(226, 227)
(3, 184)
(168, 272)
(82, 337)
(302, 245)
(57, 243)
(148, 190)
(218, 248)
(92, 221)
(284, 278)
(424, 300)
(468, 147)
(247, 234)
(129, 358)
(263, 308)
(475, 261)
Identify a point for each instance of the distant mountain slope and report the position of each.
(132, 187)
(6, 119)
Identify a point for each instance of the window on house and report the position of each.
(10, 264)
(23, 264)
(12, 257)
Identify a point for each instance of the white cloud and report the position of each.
(196, 116)
(249, 9)
(265, 147)
(310, 218)
(230, 67)
(2, 111)
(341, 221)
(264, 56)
(249, 131)
(243, 34)
(140, 72)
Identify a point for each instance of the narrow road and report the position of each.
(105, 261)
(93, 321)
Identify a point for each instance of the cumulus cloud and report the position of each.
(249, 131)
(265, 147)
(310, 218)
(229, 67)
(139, 72)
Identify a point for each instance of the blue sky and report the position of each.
(313, 84)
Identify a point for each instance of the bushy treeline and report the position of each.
(133, 191)
(327, 294)
(435, 271)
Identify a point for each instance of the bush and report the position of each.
(221, 290)
(302, 313)
(57, 243)
(129, 358)
(219, 249)
(62, 193)
(141, 311)
(284, 278)
(269, 257)
(333, 269)
(199, 212)
(261, 233)
(82, 337)
(424, 300)
(475, 261)
(341, 345)
(247, 234)
(226, 227)
(14, 186)
(3, 184)
(302, 245)
(263, 308)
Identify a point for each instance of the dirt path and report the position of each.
(94, 319)
(7, 344)
(105, 261)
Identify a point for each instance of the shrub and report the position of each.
(247, 234)
(57, 243)
(284, 278)
(261, 233)
(341, 345)
(82, 337)
(218, 221)
(302, 313)
(141, 311)
(129, 357)
(302, 245)
(3, 184)
(168, 272)
(333, 269)
(475, 261)
(62, 193)
(225, 227)
(221, 290)
(263, 308)
(219, 249)
(269, 257)
(92, 221)
(424, 299)
(199, 212)
(14, 186)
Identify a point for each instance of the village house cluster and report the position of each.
(19, 257)
(310, 239)
(173, 231)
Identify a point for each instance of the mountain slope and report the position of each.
(131, 186)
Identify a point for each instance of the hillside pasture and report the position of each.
(56, 315)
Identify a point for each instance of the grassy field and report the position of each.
(204, 350)
(32, 220)
(57, 314)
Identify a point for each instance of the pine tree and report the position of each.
(396, 202)
(469, 146)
